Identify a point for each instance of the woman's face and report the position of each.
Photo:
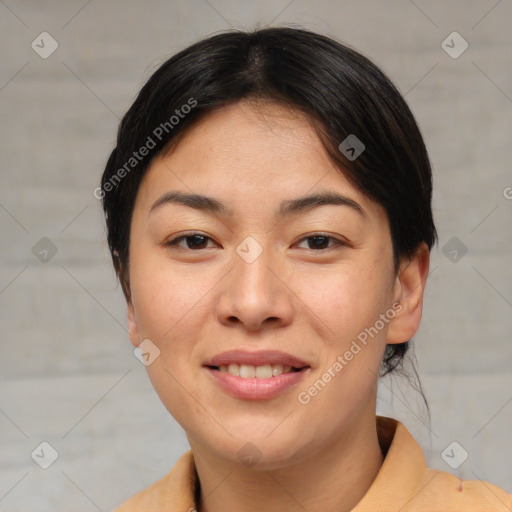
(255, 279)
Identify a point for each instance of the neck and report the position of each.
(333, 479)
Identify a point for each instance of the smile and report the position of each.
(261, 382)
(249, 371)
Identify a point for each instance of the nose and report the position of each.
(255, 295)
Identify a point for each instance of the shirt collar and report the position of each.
(396, 482)
(404, 466)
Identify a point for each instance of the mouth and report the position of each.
(256, 375)
(264, 371)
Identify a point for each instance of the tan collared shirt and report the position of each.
(403, 484)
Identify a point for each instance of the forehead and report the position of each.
(237, 139)
(251, 152)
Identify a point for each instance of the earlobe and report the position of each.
(409, 288)
(133, 329)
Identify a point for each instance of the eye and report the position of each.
(320, 242)
(191, 241)
(198, 241)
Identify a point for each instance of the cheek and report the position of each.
(173, 304)
(170, 306)
(345, 308)
(165, 296)
(344, 301)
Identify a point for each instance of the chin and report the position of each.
(254, 450)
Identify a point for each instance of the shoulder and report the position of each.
(440, 490)
(405, 483)
(145, 499)
(173, 492)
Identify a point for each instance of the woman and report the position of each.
(268, 208)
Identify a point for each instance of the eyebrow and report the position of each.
(287, 207)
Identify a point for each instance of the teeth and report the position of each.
(234, 369)
(264, 371)
(277, 369)
(248, 371)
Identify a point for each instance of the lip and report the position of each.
(258, 358)
(256, 388)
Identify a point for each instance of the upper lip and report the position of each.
(258, 358)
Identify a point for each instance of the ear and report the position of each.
(133, 329)
(409, 287)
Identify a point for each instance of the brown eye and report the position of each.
(191, 241)
(321, 242)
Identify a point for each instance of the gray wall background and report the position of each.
(68, 373)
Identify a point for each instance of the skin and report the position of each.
(312, 303)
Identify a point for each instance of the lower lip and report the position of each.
(256, 389)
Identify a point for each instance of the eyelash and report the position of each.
(174, 241)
